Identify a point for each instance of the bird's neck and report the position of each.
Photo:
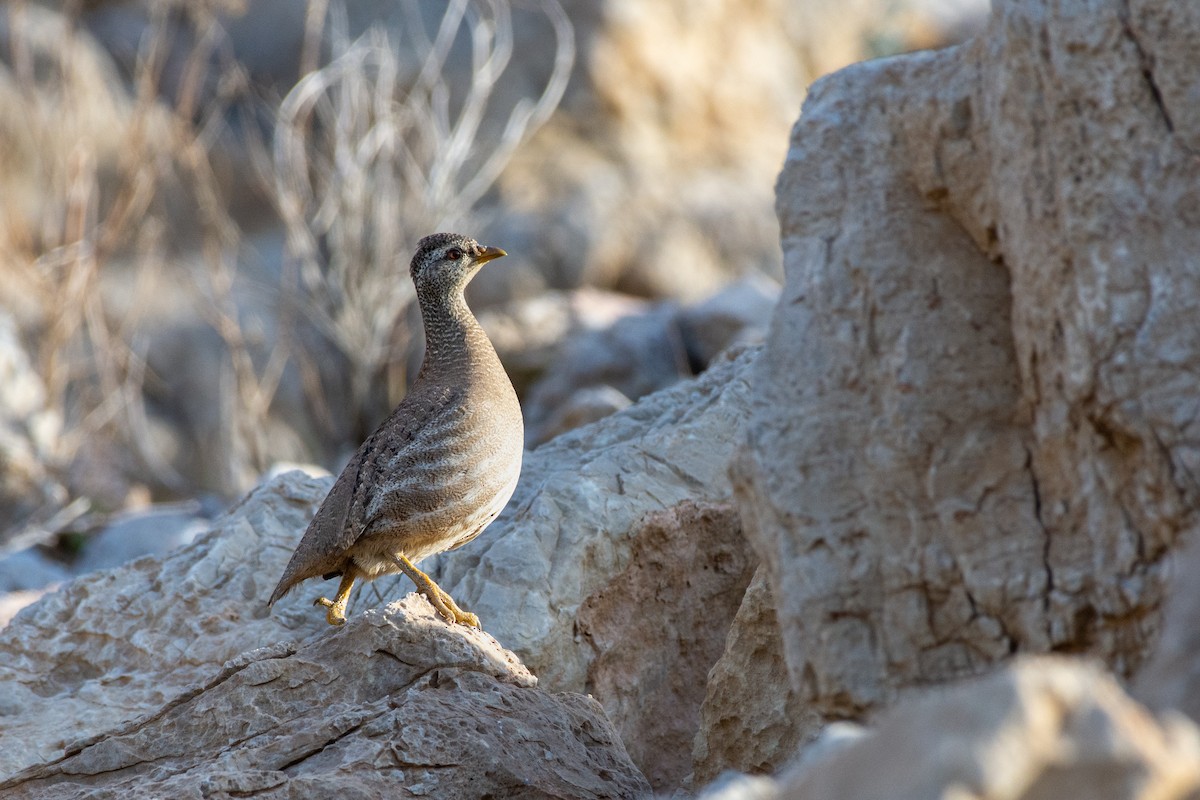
(453, 337)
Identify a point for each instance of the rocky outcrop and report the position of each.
(972, 434)
(973, 428)
(659, 626)
(626, 514)
(152, 680)
(751, 720)
(1039, 728)
(1042, 728)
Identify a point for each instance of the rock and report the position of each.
(1171, 676)
(636, 355)
(737, 314)
(29, 569)
(659, 626)
(168, 677)
(1040, 728)
(732, 786)
(115, 645)
(617, 344)
(13, 602)
(751, 720)
(585, 406)
(975, 419)
(138, 533)
(571, 526)
(441, 712)
(528, 334)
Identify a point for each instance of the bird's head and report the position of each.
(446, 262)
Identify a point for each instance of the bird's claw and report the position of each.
(337, 611)
(446, 606)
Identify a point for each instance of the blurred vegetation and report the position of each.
(137, 195)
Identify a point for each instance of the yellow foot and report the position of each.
(337, 611)
(444, 604)
(450, 610)
(337, 606)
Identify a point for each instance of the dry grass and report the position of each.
(113, 183)
(373, 151)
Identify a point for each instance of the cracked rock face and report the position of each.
(751, 719)
(151, 681)
(659, 627)
(976, 425)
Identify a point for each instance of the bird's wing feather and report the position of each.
(340, 520)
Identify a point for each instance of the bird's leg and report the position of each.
(442, 601)
(337, 606)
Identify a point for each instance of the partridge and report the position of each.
(440, 468)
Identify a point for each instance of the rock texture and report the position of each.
(151, 681)
(976, 420)
(751, 720)
(1171, 676)
(659, 626)
(1041, 728)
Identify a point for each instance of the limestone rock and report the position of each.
(975, 420)
(138, 533)
(751, 720)
(12, 602)
(395, 700)
(637, 354)
(1041, 728)
(734, 786)
(659, 626)
(28, 569)
(1171, 676)
(584, 406)
(114, 645)
(738, 314)
(168, 677)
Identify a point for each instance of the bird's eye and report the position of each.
(454, 254)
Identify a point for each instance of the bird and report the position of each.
(440, 468)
